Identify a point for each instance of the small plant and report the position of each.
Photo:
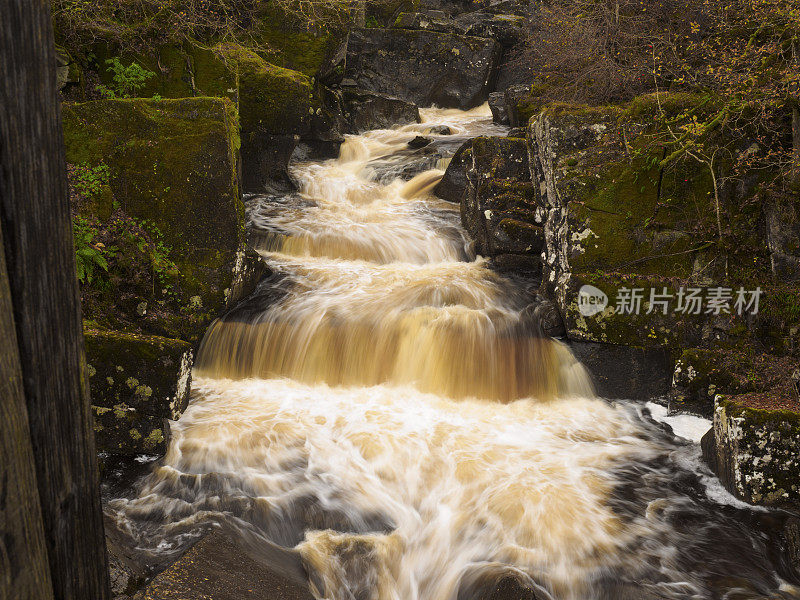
(126, 80)
(149, 241)
(88, 180)
(372, 22)
(89, 255)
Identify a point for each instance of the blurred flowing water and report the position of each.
(383, 419)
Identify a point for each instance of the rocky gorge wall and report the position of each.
(585, 197)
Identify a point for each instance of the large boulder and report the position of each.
(276, 107)
(499, 208)
(424, 67)
(621, 222)
(150, 374)
(369, 110)
(755, 452)
(173, 165)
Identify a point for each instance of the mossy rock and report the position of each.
(122, 430)
(291, 45)
(272, 99)
(756, 453)
(499, 206)
(697, 379)
(148, 373)
(634, 215)
(615, 325)
(182, 70)
(173, 163)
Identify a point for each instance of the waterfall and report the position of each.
(385, 415)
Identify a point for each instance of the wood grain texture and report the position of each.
(40, 259)
(24, 570)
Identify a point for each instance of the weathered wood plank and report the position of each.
(24, 571)
(40, 259)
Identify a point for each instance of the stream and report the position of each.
(384, 420)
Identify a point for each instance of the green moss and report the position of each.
(272, 99)
(291, 46)
(173, 163)
(157, 371)
(182, 70)
(755, 417)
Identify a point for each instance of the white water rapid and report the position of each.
(382, 420)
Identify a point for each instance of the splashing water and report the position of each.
(384, 420)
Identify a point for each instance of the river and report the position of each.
(384, 418)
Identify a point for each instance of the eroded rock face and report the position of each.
(369, 110)
(499, 207)
(424, 67)
(755, 453)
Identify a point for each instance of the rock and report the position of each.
(419, 142)
(497, 103)
(124, 430)
(508, 30)
(275, 105)
(437, 21)
(454, 182)
(216, 568)
(603, 227)
(783, 237)
(148, 373)
(331, 71)
(494, 582)
(701, 374)
(519, 264)
(510, 236)
(174, 164)
(424, 67)
(265, 164)
(549, 319)
(499, 207)
(369, 110)
(440, 130)
(181, 71)
(127, 572)
(755, 453)
(628, 372)
(517, 99)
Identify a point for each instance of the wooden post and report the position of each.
(24, 571)
(43, 292)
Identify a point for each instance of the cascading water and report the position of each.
(384, 420)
